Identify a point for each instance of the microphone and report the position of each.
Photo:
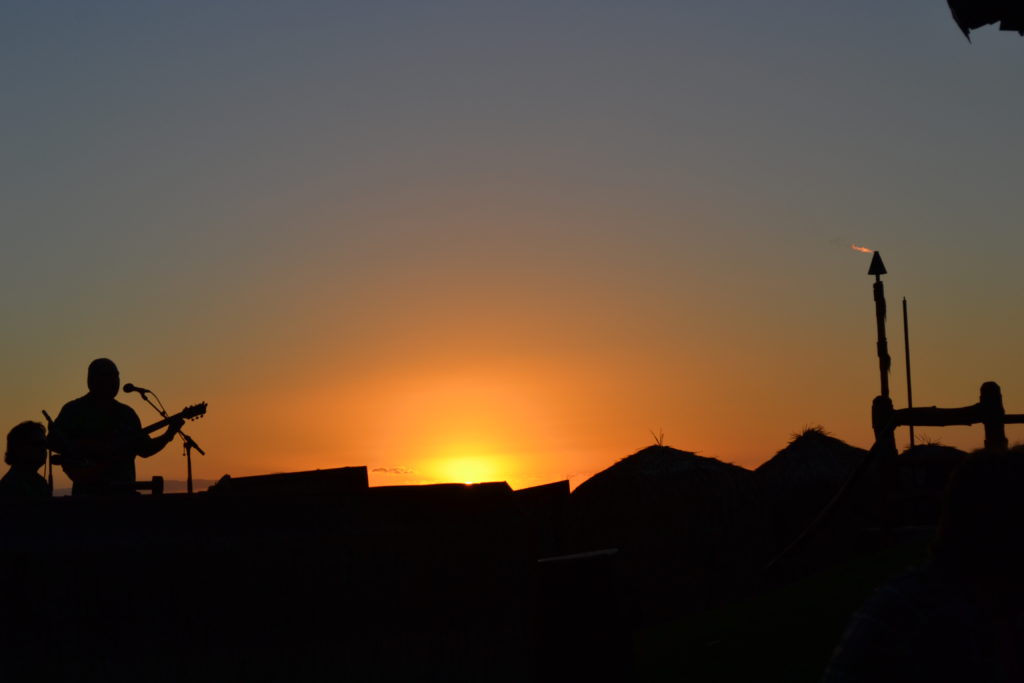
(128, 388)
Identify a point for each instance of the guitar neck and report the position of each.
(158, 425)
(189, 413)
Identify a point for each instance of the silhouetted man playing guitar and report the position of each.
(99, 437)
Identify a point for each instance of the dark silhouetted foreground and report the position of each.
(959, 618)
(309, 575)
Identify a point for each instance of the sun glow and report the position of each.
(471, 425)
(469, 464)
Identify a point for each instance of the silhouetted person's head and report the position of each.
(103, 379)
(26, 446)
(981, 534)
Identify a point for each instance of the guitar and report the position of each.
(89, 460)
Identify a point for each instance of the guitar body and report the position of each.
(98, 458)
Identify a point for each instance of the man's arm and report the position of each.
(152, 445)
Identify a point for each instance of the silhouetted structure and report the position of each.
(959, 617)
(988, 411)
(972, 14)
(331, 482)
(544, 509)
(580, 630)
(801, 480)
(404, 583)
(675, 517)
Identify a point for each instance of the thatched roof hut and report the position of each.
(656, 468)
(660, 486)
(673, 515)
(795, 485)
(813, 460)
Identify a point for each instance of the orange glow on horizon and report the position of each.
(453, 426)
(863, 250)
(468, 463)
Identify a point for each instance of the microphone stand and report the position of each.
(189, 445)
(49, 453)
(188, 441)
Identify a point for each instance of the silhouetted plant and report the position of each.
(926, 440)
(810, 429)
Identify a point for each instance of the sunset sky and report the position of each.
(464, 241)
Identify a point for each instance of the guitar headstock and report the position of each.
(194, 412)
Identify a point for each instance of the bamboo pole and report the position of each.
(906, 350)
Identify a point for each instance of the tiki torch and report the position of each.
(884, 361)
(881, 408)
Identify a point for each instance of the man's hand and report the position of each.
(174, 426)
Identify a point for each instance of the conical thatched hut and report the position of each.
(657, 487)
(673, 515)
(795, 485)
(812, 459)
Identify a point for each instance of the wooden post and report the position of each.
(884, 425)
(991, 403)
(882, 415)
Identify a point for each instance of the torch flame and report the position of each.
(863, 250)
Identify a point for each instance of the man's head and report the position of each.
(103, 379)
(26, 446)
